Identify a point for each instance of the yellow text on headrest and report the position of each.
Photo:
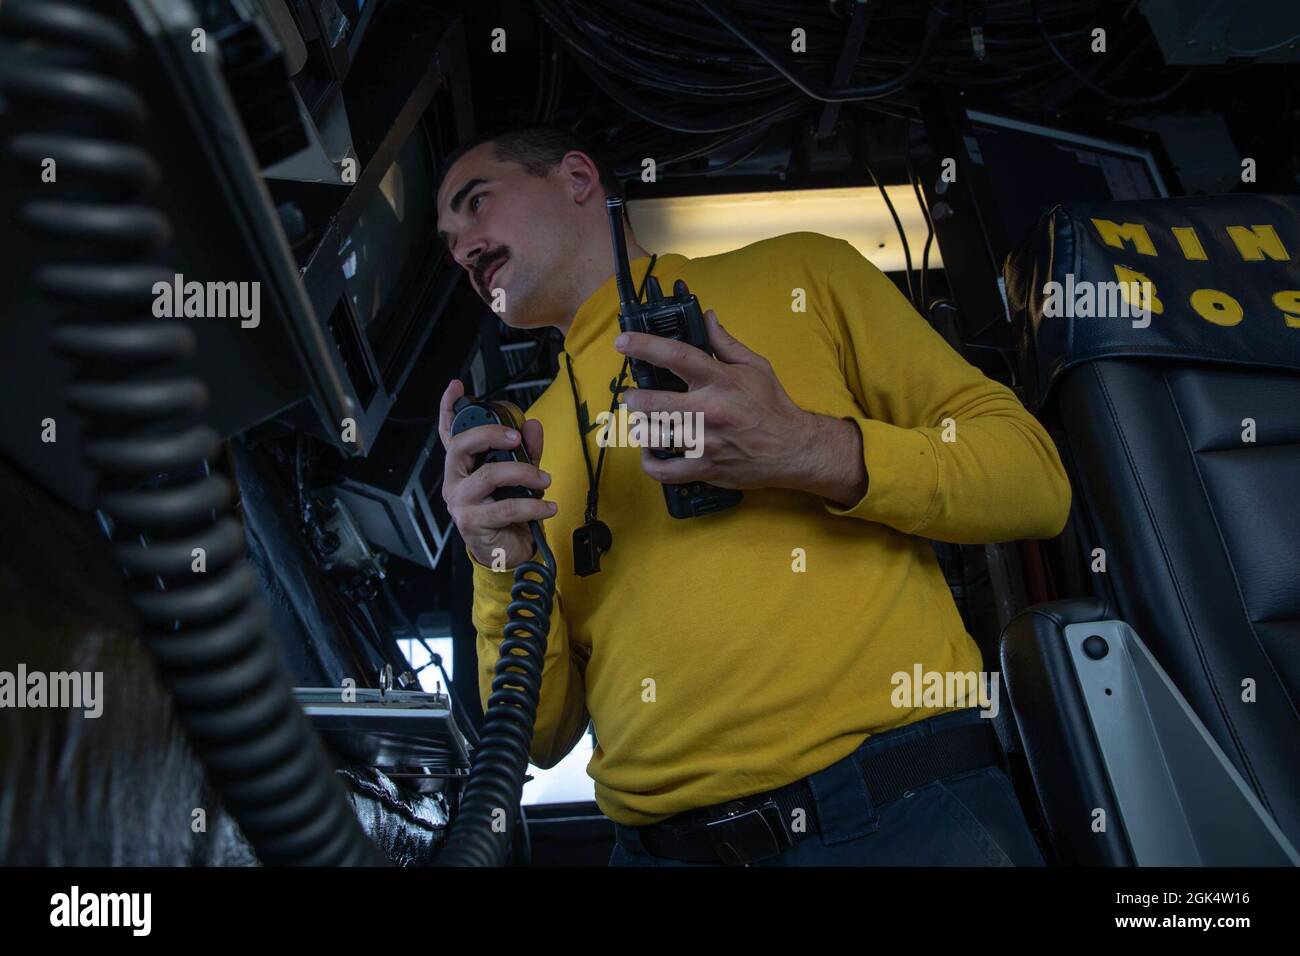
(1253, 243)
(1116, 234)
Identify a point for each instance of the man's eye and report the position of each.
(474, 200)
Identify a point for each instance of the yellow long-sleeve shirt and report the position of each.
(710, 666)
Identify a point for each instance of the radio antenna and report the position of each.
(622, 268)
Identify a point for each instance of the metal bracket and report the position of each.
(1182, 801)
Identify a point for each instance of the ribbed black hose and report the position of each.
(207, 631)
(481, 832)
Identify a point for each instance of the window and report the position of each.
(566, 782)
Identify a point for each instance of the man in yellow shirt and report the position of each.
(764, 682)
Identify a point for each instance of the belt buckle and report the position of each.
(744, 837)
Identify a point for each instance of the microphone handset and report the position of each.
(501, 759)
(677, 317)
(470, 413)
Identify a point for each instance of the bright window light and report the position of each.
(697, 226)
(566, 782)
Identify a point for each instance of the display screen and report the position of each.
(389, 235)
(1031, 168)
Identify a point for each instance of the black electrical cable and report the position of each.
(901, 112)
(676, 28)
(642, 54)
(209, 639)
(733, 163)
(934, 23)
(925, 268)
(698, 151)
(703, 62)
(914, 179)
(590, 514)
(1100, 91)
(386, 648)
(902, 234)
(636, 105)
(721, 143)
(684, 75)
(692, 48)
(497, 775)
(766, 113)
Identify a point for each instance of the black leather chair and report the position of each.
(1159, 706)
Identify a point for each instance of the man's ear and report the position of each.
(580, 174)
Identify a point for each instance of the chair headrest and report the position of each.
(1211, 279)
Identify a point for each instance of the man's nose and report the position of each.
(467, 250)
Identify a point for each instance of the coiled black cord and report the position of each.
(481, 832)
(196, 597)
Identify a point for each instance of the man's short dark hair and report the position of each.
(539, 149)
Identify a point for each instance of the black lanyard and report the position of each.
(594, 537)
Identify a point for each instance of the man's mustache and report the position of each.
(485, 263)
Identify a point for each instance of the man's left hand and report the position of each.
(754, 435)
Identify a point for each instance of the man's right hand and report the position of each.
(485, 524)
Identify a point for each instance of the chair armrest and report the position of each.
(1124, 769)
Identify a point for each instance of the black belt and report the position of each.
(759, 826)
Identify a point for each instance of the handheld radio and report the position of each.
(470, 413)
(680, 318)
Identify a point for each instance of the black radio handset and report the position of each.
(470, 413)
(677, 317)
(501, 760)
